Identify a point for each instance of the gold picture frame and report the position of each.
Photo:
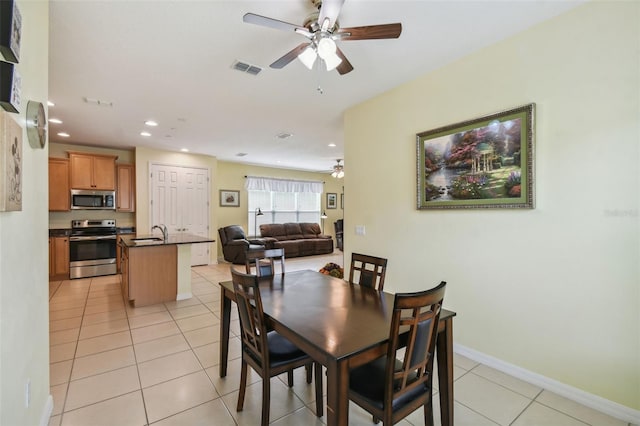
(485, 162)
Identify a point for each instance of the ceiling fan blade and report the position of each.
(345, 66)
(370, 32)
(252, 18)
(290, 56)
(330, 10)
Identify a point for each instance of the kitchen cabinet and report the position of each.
(123, 262)
(52, 258)
(59, 258)
(149, 274)
(125, 192)
(92, 171)
(59, 198)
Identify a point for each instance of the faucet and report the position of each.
(163, 229)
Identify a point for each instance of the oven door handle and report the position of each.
(106, 237)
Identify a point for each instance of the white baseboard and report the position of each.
(47, 411)
(184, 296)
(595, 402)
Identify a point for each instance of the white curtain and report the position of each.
(255, 183)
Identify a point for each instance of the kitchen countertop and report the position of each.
(173, 239)
(60, 232)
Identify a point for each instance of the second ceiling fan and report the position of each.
(322, 30)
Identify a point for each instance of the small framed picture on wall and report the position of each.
(229, 198)
(332, 200)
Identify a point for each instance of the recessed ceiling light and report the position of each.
(64, 134)
(55, 120)
(151, 123)
(332, 145)
(145, 134)
(51, 104)
(184, 150)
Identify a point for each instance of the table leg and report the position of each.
(445, 371)
(225, 309)
(337, 394)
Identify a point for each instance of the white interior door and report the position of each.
(195, 217)
(180, 200)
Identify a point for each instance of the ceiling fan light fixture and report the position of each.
(332, 62)
(326, 48)
(308, 57)
(338, 170)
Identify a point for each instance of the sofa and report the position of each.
(297, 239)
(235, 244)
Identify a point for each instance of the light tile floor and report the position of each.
(116, 365)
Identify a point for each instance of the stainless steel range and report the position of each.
(92, 248)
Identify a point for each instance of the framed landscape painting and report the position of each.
(332, 200)
(486, 162)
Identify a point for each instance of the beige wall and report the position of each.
(24, 289)
(231, 176)
(554, 290)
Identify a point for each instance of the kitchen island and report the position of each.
(155, 270)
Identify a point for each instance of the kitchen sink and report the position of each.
(146, 240)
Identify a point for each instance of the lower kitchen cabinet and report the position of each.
(58, 258)
(123, 265)
(149, 274)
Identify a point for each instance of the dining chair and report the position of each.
(264, 261)
(368, 271)
(390, 388)
(267, 352)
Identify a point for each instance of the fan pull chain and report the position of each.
(319, 74)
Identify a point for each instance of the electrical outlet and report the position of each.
(27, 394)
(360, 230)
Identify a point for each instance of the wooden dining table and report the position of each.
(341, 326)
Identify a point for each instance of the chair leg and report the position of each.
(309, 372)
(243, 386)
(290, 378)
(319, 402)
(266, 400)
(428, 414)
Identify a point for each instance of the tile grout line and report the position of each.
(66, 394)
(135, 358)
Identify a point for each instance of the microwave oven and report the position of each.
(82, 199)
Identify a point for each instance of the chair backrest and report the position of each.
(368, 271)
(264, 261)
(420, 312)
(230, 233)
(252, 324)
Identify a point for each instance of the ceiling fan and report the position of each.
(322, 30)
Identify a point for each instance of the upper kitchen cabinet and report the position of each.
(59, 185)
(126, 193)
(92, 171)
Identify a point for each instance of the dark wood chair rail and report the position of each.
(341, 326)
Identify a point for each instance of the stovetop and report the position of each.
(93, 227)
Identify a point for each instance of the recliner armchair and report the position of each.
(235, 244)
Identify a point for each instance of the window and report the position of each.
(282, 201)
(281, 207)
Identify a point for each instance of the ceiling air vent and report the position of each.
(247, 68)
